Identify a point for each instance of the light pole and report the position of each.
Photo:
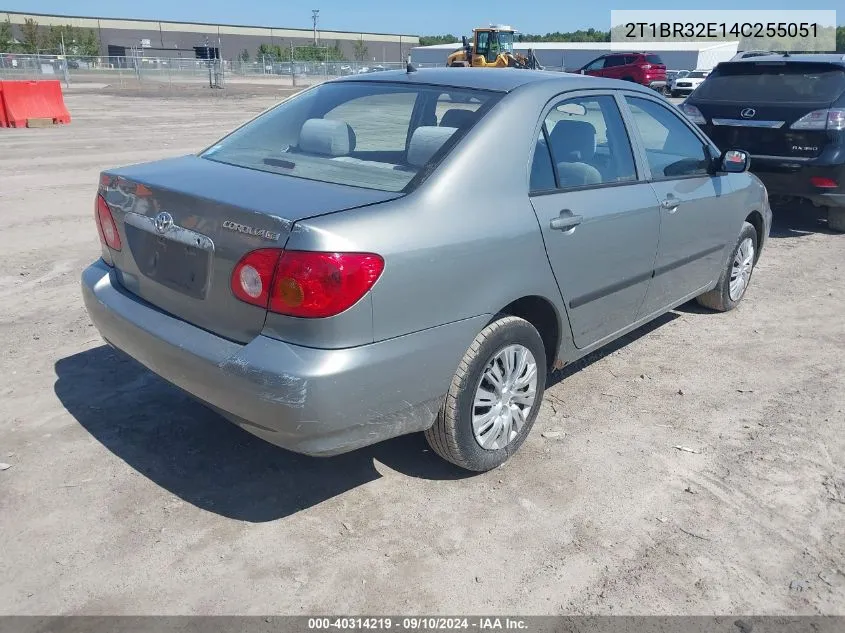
(315, 15)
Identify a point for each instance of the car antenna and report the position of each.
(410, 68)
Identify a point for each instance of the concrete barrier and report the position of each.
(33, 100)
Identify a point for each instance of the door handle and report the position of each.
(671, 204)
(566, 221)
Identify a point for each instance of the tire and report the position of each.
(452, 436)
(836, 219)
(720, 298)
(631, 79)
(460, 65)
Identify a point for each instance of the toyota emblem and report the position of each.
(163, 221)
(748, 113)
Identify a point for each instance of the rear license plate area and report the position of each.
(171, 263)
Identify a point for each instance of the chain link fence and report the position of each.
(216, 72)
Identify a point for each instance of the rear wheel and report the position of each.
(494, 397)
(736, 275)
(460, 64)
(836, 219)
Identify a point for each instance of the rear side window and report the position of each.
(542, 171)
(770, 82)
(653, 59)
(589, 143)
(375, 135)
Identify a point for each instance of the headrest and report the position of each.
(456, 117)
(573, 141)
(326, 137)
(425, 142)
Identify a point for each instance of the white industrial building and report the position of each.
(574, 55)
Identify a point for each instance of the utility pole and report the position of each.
(64, 61)
(315, 15)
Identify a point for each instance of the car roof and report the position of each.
(831, 58)
(494, 79)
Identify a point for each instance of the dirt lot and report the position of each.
(123, 496)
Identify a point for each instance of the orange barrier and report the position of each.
(27, 100)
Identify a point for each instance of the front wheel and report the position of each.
(736, 275)
(494, 397)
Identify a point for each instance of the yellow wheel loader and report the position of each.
(491, 47)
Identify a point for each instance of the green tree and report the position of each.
(431, 40)
(244, 56)
(360, 50)
(270, 52)
(31, 36)
(840, 39)
(7, 39)
(90, 44)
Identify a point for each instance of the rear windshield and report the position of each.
(771, 82)
(653, 59)
(376, 135)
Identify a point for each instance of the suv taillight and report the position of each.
(693, 114)
(106, 225)
(304, 283)
(832, 119)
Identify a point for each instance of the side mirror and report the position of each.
(734, 161)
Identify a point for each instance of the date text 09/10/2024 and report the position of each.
(416, 624)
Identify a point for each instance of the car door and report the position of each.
(599, 219)
(697, 213)
(614, 67)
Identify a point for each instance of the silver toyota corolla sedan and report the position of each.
(414, 251)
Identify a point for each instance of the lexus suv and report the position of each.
(788, 112)
(646, 69)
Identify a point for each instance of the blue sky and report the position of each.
(396, 16)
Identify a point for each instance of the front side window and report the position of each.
(483, 47)
(597, 64)
(614, 60)
(375, 135)
(589, 143)
(672, 149)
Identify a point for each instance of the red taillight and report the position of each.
(106, 226)
(824, 183)
(304, 283)
(252, 278)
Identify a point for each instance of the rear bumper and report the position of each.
(789, 179)
(317, 402)
(657, 84)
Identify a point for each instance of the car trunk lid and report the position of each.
(754, 106)
(186, 222)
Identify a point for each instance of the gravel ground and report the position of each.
(123, 496)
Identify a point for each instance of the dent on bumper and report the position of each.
(317, 402)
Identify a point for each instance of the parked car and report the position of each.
(671, 76)
(334, 273)
(685, 85)
(789, 113)
(646, 69)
